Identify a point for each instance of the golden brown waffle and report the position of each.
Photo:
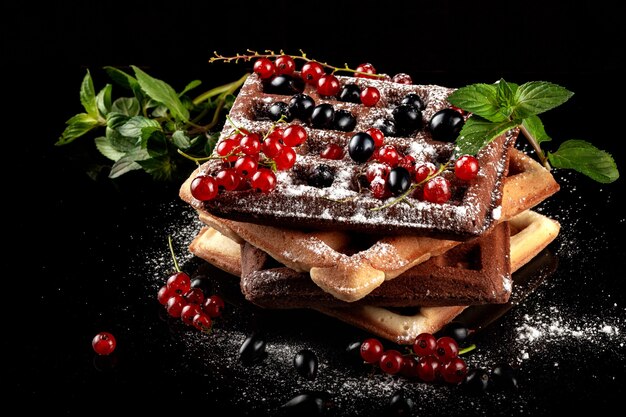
(530, 233)
(345, 205)
(349, 275)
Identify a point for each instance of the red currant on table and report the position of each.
(370, 96)
(246, 166)
(204, 188)
(377, 135)
(371, 350)
(250, 144)
(454, 371)
(286, 159)
(466, 167)
(311, 72)
(214, 306)
(103, 343)
(164, 294)
(374, 171)
(188, 312)
(409, 366)
(388, 154)
(175, 305)
(227, 179)
(402, 78)
(424, 171)
(228, 147)
(437, 190)
(366, 68)
(194, 296)
(408, 162)
(202, 322)
(447, 349)
(425, 344)
(294, 135)
(390, 362)
(272, 145)
(379, 188)
(264, 180)
(285, 65)
(179, 283)
(328, 85)
(264, 68)
(428, 368)
(332, 151)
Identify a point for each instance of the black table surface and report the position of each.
(90, 255)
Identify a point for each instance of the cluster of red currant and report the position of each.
(244, 167)
(189, 303)
(313, 73)
(432, 359)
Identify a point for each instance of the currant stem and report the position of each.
(169, 242)
(467, 349)
(536, 147)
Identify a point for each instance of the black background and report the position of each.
(71, 238)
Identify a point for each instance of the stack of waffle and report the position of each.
(342, 252)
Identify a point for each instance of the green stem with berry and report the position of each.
(169, 243)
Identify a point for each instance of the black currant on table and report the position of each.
(387, 126)
(504, 377)
(278, 110)
(252, 349)
(399, 180)
(321, 176)
(407, 117)
(283, 84)
(301, 106)
(361, 147)
(350, 93)
(322, 116)
(305, 362)
(414, 100)
(445, 125)
(344, 121)
(399, 405)
(476, 380)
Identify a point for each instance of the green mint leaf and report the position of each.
(536, 97)
(129, 162)
(585, 158)
(156, 143)
(534, 126)
(106, 148)
(88, 96)
(160, 167)
(103, 100)
(181, 140)
(229, 100)
(128, 106)
(479, 99)
(163, 93)
(132, 128)
(505, 97)
(125, 80)
(159, 111)
(77, 126)
(189, 87)
(478, 132)
(121, 143)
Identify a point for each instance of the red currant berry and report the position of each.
(377, 135)
(250, 144)
(402, 78)
(466, 167)
(164, 294)
(227, 148)
(194, 296)
(379, 188)
(370, 96)
(458, 109)
(447, 349)
(424, 171)
(179, 283)
(264, 68)
(454, 371)
(365, 68)
(428, 368)
(204, 188)
(388, 154)
(285, 65)
(286, 159)
(294, 135)
(214, 306)
(328, 85)
(246, 166)
(425, 344)
(202, 322)
(332, 151)
(188, 312)
(391, 362)
(175, 305)
(103, 343)
(371, 350)
(227, 179)
(409, 366)
(264, 180)
(437, 190)
(375, 170)
(408, 162)
(311, 72)
(272, 146)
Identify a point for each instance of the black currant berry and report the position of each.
(284, 84)
(361, 147)
(350, 93)
(476, 380)
(305, 363)
(277, 110)
(399, 180)
(387, 126)
(504, 376)
(301, 106)
(400, 405)
(344, 121)
(315, 403)
(321, 176)
(352, 354)
(252, 349)
(458, 331)
(413, 99)
(445, 125)
(408, 118)
(322, 116)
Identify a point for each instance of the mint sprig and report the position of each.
(499, 107)
(146, 129)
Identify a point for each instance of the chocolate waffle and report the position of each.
(346, 205)
(350, 276)
(530, 233)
